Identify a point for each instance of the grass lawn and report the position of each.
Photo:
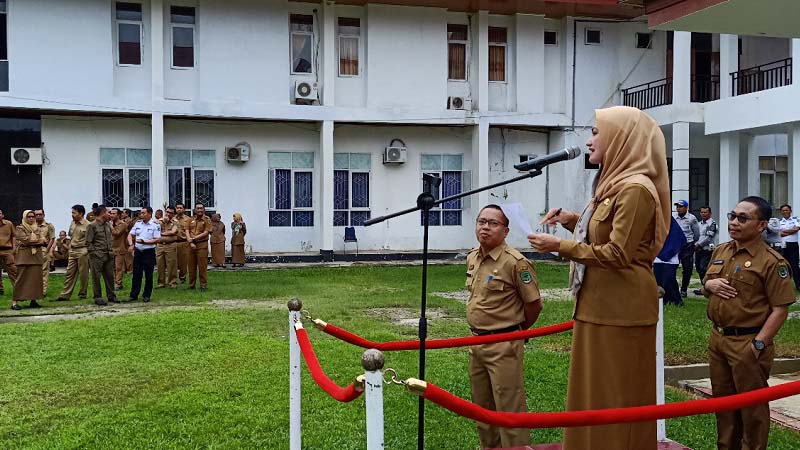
(204, 370)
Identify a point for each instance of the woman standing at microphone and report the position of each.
(616, 239)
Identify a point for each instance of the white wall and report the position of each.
(352, 91)
(555, 70)
(761, 50)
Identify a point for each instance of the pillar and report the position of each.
(329, 66)
(158, 164)
(158, 194)
(728, 178)
(753, 187)
(728, 63)
(681, 67)
(795, 44)
(480, 163)
(794, 164)
(326, 189)
(529, 69)
(680, 162)
(482, 61)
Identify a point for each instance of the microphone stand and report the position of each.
(425, 202)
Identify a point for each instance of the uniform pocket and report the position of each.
(714, 271)
(496, 284)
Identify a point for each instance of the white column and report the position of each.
(681, 67)
(482, 61)
(158, 169)
(795, 44)
(158, 166)
(529, 68)
(680, 161)
(753, 187)
(728, 178)
(157, 48)
(794, 163)
(373, 361)
(326, 187)
(480, 163)
(728, 62)
(661, 429)
(295, 424)
(328, 52)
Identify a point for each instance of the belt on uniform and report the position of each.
(736, 331)
(479, 332)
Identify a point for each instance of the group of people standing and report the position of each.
(110, 242)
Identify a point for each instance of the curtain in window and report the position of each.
(348, 55)
(301, 53)
(182, 47)
(130, 50)
(497, 63)
(457, 61)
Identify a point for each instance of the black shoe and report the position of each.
(698, 292)
(683, 294)
(100, 302)
(82, 297)
(132, 299)
(146, 299)
(113, 300)
(16, 307)
(62, 299)
(35, 305)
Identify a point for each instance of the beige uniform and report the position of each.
(7, 252)
(198, 256)
(762, 279)
(500, 284)
(119, 232)
(183, 247)
(217, 243)
(49, 232)
(99, 239)
(28, 258)
(78, 264)
(167, 253)
(61, 250)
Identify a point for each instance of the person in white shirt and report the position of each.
(691, 231)
(704, 246)
(790, 225)
(142, 241)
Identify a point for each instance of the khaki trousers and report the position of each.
(46, 273)
(7, 263)
(495, 376)
(198, 264)
(121, 267)
(77, 267)
(736, 369)
(183, 259)
(167, 262)
(102, 266)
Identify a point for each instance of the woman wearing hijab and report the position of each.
(617, 237)
(217, 241)
(29, 257)
(239, 229)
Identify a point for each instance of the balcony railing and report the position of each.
(648, 95)
(705, 88)
(763, 77)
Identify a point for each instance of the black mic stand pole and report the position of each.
(425, 202)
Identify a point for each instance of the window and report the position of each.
(183, 23)
(550, 37)
(349, 36)
(644, 40)
(592, 37)
(773, 173)
(454, 181)
(301, 34)
(3, 46)
(125, 177)
(291, 190)
(457, 39)
(129, 33)
(351, 188)
(497, 54)
(191, 177)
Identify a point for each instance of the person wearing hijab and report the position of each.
(239, 229)
(616, 239)
(217, 241)
(29, 257)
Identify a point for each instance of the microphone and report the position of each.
(538, 163)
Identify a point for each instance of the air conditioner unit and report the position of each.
(394, 155)
(26, 156)
(238, 153)
(462, 103)
(305, 92)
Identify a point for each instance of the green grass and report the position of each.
(217, 377)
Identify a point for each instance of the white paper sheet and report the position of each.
(517, 218)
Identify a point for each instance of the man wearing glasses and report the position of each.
(504, 297)
(749, 287)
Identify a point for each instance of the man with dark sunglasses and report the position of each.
(749, 287)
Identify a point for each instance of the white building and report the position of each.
(136, 102)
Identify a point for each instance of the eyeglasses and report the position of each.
(740, 217)
(491, 223)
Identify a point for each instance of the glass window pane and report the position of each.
(302, 160)
(341, 161)
(3, 76)
(451, 218)
(3, 5)
(341, 191)
(452, 162)
(182, 47)
(357, 218)
(204, 187)
(303, 218)
(456, 32)
(457, 61)
(280, 218)
(177, 157)
(766, 163)
(130, 46)
(781, 164)
(113, 188)
(497, 35)
(431, 162)
(781, 189)
(303, 189)
(139, 157)
(349, 26)
(360, 190)
(280, 160)
(112, 156)
(348, 56)
(301, 53)
(766, 183)
(433, 218)
(497, 63)
(175, 181)
(360, 161)
(283, 189)
(182, 14)
(204, 158)
(340, 218)
(139, 187)
(129, 11)
(451, 185)
(301, 22)
(3, 37)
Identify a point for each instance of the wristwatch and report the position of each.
(759, 345)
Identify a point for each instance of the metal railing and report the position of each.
(705, 88)
(763, 77)
(648, 95)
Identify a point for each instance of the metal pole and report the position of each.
(372, 361)
(425, 203)
(661, 424)
(295, 305)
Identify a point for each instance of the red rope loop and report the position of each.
(472, 411)
(433, 344)
(347, 394)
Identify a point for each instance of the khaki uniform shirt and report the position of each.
(184, 224)
(500, 283)
(77, 234)
(119, 233)
(100, 239)
(761, 277)
(6, 234)
(198, 226)
(62, 245)
(48, 231)
(619, 287)
(169, 226)
(28, 252)
(217, 232)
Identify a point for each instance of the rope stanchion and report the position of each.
(431, 344)
(346, 394)
(609, 416)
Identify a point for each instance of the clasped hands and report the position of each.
(545, 243)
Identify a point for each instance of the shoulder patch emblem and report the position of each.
(526, 276)
(783, 271)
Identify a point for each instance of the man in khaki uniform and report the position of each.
(7, 251)
(48, 231)
(197, 235)
(119, 233)
(61, 248)
(127, 217)
(167, 250)
(504, 297)
(183, 245)
(101, 255)
(78, 264)
(749, 287)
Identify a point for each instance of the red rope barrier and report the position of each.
(433, 344)
(339, 393)
(606, 416)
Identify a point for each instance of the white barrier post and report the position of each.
(661, 424)
(372, 361)
(295, 305)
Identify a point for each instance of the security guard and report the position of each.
(48, 231)
(749, 288)
(705, 245)
(78, 264)
(167, 250)
(142, 240)
(790, 226)
(7, 251)
(183, 244)
(100, 239)
(504, 297)
(691, 230)
(197, 231)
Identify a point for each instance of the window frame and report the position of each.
(126, 184)
(773, 173)
(311, 34)
(649, 40)
(467, 55)
(292, 207)
(544, 36)
(339, 37)
(193, 27)
(350, 208)
(504, 45)
(140, 23)
(586, 36)
(8, 51)
(193, 190)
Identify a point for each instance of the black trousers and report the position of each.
(791, 252)
(701, 260)
(143, 263)
(666, 278)
(687, 264)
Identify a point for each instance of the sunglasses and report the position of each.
(740, 217)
